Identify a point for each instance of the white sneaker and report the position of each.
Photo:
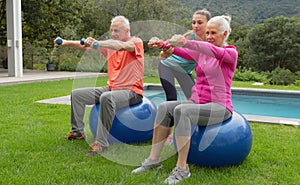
(177, 175)
(147, 165)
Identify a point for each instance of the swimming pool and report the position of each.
(280, 104)
(267, 106)
(262, 106)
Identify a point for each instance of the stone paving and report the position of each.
(40, 76)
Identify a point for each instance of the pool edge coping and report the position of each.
(273, 120)
(296, 92)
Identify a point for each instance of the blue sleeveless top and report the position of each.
(180, 64)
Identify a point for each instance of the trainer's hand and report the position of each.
(177, 40)
(155, 42)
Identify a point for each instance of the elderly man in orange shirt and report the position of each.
(125, 57)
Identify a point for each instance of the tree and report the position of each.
(45, 20)
(3, 27)
(237, 38)
(276, 43)
(99, 16)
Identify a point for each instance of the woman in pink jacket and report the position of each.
(210, 102)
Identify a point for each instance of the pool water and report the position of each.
(267, 106)
(247, 104)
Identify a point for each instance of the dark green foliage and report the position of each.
(243, 74)
(262, 48)
(249, 12)
(281, 76)
(3, 26)
(45, 20)
(278, 76)
(276, 43)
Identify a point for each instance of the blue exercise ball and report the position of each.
(133, 124)
(224, 144)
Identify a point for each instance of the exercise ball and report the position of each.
(133, 124)
(224, 144)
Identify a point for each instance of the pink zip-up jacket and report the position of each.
(214, 69)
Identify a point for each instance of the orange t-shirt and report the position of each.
(125, 68)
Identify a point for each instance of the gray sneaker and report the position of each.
(177, 175)
(147, 165)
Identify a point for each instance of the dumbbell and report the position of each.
(59, 41)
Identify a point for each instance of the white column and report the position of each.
(14, 38)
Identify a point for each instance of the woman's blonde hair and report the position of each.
(204, 12)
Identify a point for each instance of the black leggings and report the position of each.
(167, 78)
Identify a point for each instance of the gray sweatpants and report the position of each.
(109, 102)
(184, 113)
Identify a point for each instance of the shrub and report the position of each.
(243, 74)
(92, 62)
(297, 75)
(68, 62)
(39, 66)
(281, 76)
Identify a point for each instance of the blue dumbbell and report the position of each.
(95, 45)
(59, 41)
(82, 41)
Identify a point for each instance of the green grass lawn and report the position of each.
(33, 149)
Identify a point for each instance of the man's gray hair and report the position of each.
(122, 19)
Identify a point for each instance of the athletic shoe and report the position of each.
(96, 150)
(177, 175)
(75, 136)
(147, 165)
